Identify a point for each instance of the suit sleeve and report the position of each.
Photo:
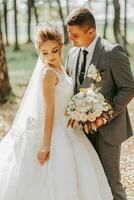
(123, 78)
(67, 64)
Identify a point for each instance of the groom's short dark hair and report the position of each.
(81, 17)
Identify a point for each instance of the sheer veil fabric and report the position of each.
(14, 144)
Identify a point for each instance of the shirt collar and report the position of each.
(91, 46)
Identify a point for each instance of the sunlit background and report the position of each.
(18, 19)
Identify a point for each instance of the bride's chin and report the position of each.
(52, 65)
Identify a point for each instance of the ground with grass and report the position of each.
(20, 66)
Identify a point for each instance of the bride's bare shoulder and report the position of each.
(49, 76)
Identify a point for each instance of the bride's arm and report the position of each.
(49, 82)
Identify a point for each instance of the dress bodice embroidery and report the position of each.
(63, 93)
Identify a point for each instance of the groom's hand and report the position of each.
(99, 122)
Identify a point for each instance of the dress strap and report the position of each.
(51, 69)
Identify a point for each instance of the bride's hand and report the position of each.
(43, 154)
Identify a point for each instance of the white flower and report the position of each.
(98, 79)
(106, 108)
(98, 107)
(76, 115)
(83, 117)
(97, 113)
(93, 73)
(91, 117)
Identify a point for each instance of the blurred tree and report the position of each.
(5, 20)
(35, 11)
(68, 9)
(29, 5)
(50, 6)
(125, 22)
(66, 39)
(106, 18)
(117, 30)
(16, 47)
(5, 88)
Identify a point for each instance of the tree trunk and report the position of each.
(125, 23)
(5, 88)
(117, 31)
(68, 9)
(35, 11)
(16, 47)
(29, 4)
(106, 19)
(66, 39)
(5, 21)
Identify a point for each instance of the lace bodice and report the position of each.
(63, 93)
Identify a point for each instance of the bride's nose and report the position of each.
(50, 56)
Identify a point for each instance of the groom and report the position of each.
(117, 87)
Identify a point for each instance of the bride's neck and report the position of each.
(58, 68)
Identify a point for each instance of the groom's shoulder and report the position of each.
(113, 49)
(109, 46)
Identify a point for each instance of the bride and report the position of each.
(40, 158)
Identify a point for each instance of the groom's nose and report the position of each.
(72, 38)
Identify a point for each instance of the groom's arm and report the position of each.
(67, 67)
(123, 78)
(66, 64)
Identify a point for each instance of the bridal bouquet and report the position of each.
(88, 105)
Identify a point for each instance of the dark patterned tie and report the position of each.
(83, 66)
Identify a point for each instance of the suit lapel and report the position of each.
(96, 57)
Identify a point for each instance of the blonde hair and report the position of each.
(48, 33)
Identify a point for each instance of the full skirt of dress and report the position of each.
(73, 171)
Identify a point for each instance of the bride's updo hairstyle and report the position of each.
(45, 33)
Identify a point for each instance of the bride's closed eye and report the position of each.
(55, 51)
(44, 53)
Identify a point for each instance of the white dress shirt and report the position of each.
(90, 50)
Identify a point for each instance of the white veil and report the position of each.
(25, 133)
(31, 104)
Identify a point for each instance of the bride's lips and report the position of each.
(51, 61)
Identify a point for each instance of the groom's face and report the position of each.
(80, 36)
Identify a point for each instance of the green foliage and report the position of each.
(21, 63)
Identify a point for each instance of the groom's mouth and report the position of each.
(75, 43)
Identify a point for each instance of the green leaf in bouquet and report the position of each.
(97, 89)
(111, 112)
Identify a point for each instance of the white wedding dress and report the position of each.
(73, 171)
